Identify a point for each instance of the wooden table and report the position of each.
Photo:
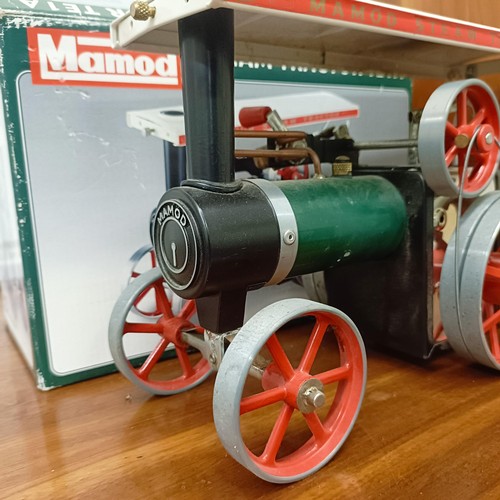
(423, 432)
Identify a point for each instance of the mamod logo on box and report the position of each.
(83, 58)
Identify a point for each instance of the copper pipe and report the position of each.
(286, 154)
(269, 134)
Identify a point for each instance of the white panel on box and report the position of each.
(94, 183)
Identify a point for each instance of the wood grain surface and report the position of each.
(423, 432)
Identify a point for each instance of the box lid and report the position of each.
(105, 10)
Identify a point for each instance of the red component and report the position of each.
(437, 265)
(475, 110)
(491, 292)
(491, 323)
(254, 116)
(168, 329)
(283, 383)
(438, 333)
(491, 301)
(438, 258)
(293, 173)
(144, 310)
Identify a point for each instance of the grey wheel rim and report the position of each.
(472, 282)
(431, 137)
(476, 234)
(121, 310)
(235, 367)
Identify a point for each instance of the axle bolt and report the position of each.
(141, 11)
(462, 141)
(315, 397)
(310, 396)
(489, 138)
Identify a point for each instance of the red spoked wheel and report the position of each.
(285, 403)
(138, 344)
(455, 112)
(491, 305)
(470, 284)
(442, 223)
(142, 261)
(474, 111)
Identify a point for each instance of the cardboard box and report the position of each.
(77, 185)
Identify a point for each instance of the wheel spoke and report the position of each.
(482, 158)
(141, 297)
(493, 271)
(451, 130)
(492, 331)
(182, 356)
(313, 345)
(461, 162)
(492, 321)
(462, 108)
(474, 172)
(188, 309)
(152, 359)
(461, 166)
(142, 328)
(478, 119)
(262, 399)
(277, 434)
(280, 357)
(162, 301)
(450, 155)
(335, 375)
(494, 342)
(316, 426)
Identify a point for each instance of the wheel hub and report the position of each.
(486, 138)
(310, 396)
(172, 329)
(462, 141)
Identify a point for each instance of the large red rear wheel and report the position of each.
(491, 305)
(470, 284)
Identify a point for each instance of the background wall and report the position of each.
(475, 11)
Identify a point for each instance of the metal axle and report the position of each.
(390, 144)
(212, 349)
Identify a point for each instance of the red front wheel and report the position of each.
(284, 402)
(139, 344)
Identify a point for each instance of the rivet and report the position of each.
(289, 237)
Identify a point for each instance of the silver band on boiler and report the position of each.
(289, 235)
